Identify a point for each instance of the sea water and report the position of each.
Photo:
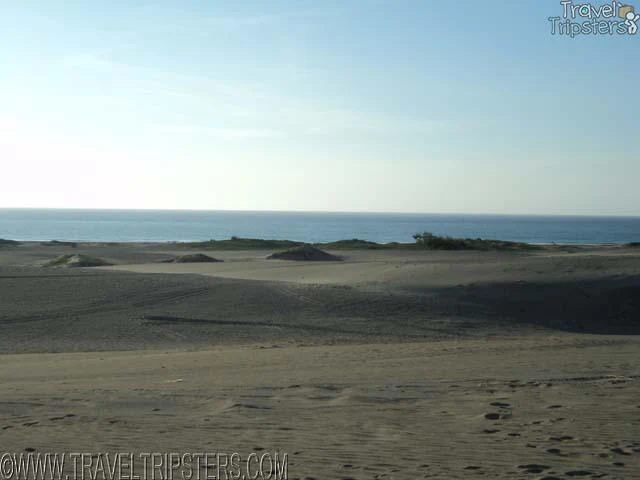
(164, 226)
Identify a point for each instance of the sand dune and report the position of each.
(304, 253)
(76, 261)
(389, 364)
(409, 268)
(192, 258)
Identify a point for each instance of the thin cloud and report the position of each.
(223, 133)
(153, 79)
(243, 21)
(293, 115)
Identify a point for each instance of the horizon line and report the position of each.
(346, 212)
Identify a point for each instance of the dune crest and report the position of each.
(75, 261)
(192, 258)
(305, 253)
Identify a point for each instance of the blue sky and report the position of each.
(373, 105)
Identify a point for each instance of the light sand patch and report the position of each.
(410, 269)
(280, 270)
(506, 408)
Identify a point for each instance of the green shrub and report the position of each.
(8, 243)
(237, 243)
(430, 241)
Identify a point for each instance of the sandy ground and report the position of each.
(567, 404)
(405, 269)
(386, 365)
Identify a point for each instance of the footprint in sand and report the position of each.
(555, 451)
(534, 468)
(620, 451)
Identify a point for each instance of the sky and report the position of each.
(360, 105)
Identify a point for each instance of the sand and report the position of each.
(389, 364)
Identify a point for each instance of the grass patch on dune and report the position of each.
(57, 243)
(430, 241)
(192, 258)
(238, 243)
(356, 244)
(76, 261)
(305, 253)
(423, 241)
(8, 243)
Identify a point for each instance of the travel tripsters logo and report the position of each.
(595, 19)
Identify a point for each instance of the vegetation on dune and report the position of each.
(192, 258)
(633, 244)
(354, 244)
(424, 240)
(71, 261)
(430, 241)
(8, 243)
(57, 243)
(238, 243)
(304, 253)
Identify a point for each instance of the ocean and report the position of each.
(164, 226)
